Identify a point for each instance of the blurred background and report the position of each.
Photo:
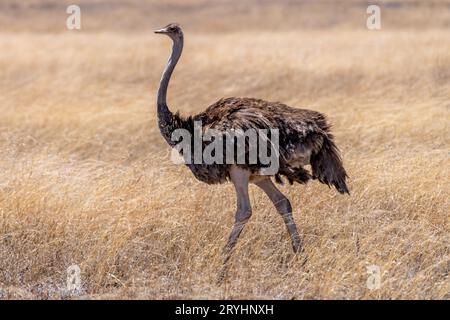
(86, 179)
(222, 15)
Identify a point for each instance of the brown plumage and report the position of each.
(304, 139)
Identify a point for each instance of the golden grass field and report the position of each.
(86, 179)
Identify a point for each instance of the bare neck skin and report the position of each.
(165, 116)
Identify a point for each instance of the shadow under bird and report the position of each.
(304, 139)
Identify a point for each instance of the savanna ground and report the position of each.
(86, 179)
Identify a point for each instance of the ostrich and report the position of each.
(304, 135)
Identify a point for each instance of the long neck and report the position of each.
(165, 116)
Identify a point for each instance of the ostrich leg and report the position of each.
(240, 179)
(284, 209)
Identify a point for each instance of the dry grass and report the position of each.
(85, 176)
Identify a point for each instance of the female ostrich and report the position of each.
(304, 138)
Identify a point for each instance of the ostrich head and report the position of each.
(173, 30)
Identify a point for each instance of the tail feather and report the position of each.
(327, 166)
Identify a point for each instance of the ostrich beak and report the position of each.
(163, 30)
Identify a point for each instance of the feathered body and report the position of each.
(304, 138)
